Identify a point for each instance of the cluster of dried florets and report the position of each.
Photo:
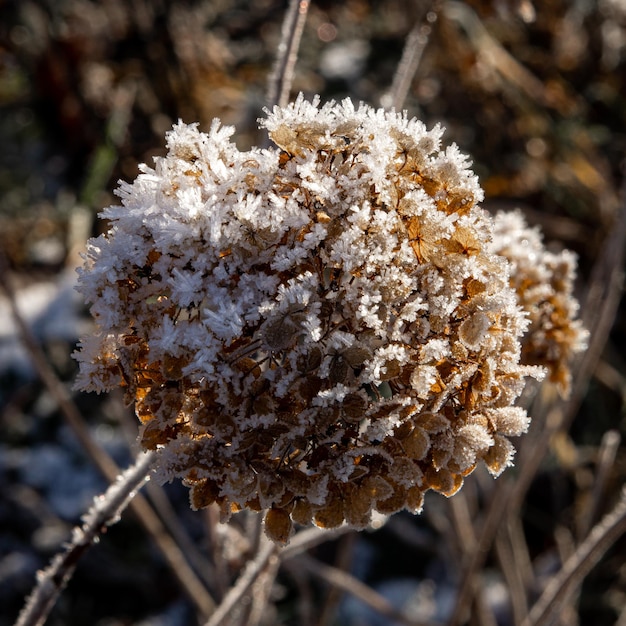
(317, 331)
(544, 282)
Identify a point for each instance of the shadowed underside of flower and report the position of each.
(320, 330)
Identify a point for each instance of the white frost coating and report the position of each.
(285, 319)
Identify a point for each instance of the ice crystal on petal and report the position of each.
(320, 330)
(544, 283)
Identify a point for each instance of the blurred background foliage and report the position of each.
(534, 92)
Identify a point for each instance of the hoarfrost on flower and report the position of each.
(310, 330)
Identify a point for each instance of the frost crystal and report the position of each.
(544, 283)
(320, 330)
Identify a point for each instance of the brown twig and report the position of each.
(304, 598)
(477, 556)
(606, 459)
(244, 582)
(216, 546)
(576, 568)
(512, 575)
(350, 584)
(309, 538)
(345, 549)
(261, 591)
(466, 536)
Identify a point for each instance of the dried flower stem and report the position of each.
(478, 555)
(606, 459)
(305, 597)
(573, 572)
(172, 522)
(492, 51)
(342, 580)
(105, 512)
(140, 507)
(250, 574)
(345, 550)
(466, 537)
(309, 538)
(507, 558)
(414, 46)
(287, 53)
(261, 591)
(215, 541)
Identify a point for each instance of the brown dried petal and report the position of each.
(443, 481)
(357, 506)
(416, 444)
(353, 406)
(432, 423)
(330, 515)
(278, 526)
(499, 456)
(415, 499)
(302, 512)
(511, 421)
(356, 355)
(203, 493)
(474, 329)
(394, 502)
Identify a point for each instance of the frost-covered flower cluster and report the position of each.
(319, 330)
(544, 282)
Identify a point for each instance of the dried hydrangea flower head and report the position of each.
(319, 330)
(544, 283)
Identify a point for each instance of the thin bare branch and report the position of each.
(309, 538)
(576, 568)
(247, 578)
(477, 556)
(512, 575)
(261, 591)
(345, 549)
(606, 459)
(105, 512)
(466, 536)
(179, 533)
(305, 598)
(360, 590)
(287, 53)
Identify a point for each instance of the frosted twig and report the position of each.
(179, 566)
(411, 56)
(105, 512)
(574, 570)
(287, 53)
(261, 591)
